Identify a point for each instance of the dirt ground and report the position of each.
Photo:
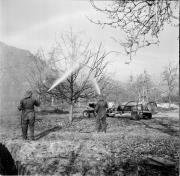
(61, 148)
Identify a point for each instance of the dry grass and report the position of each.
(67, 149)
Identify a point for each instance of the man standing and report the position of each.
(28, 114)
(100, 109)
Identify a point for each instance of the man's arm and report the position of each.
(106, 105)
(20, 107)
(96, 108)
(37, 103)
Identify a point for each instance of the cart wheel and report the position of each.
(86, 114)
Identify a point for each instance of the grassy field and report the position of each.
(61, 148)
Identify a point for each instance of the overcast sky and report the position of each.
(31, 24)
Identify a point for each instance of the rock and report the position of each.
(7, 163)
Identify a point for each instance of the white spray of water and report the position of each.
(65, 76)
(96, 86)
(68, 73)
(93, 80)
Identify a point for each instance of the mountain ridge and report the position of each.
(14, 68)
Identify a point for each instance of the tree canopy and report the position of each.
(141, 20)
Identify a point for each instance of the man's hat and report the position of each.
(28, 93)
(101, 97)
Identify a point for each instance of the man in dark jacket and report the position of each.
(28, 114)
(100, 109)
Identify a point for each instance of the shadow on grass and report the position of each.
(55, 111)
(165, 128)
(46, 132)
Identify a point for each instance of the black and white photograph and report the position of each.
(89, 87)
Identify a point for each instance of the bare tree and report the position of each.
(141, 21)
(69, 51)
(141, 88)
(115, 91)
(39, 75)
(169, 76)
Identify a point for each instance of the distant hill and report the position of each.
(14, 67)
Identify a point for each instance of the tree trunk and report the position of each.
(52, 101)
(169, 99)
(71, 113)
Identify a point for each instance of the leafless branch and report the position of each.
(141, 21)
